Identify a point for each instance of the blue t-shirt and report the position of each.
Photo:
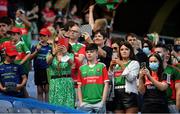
(10, 75)
(40, 58)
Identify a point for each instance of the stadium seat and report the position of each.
(3, 110)
(19, 110)
(19, 104)
(42, 111)
(4, 105)
(58, 112)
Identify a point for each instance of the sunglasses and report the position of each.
(115, 48)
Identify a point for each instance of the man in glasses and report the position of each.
(78, 48)
(12, 76)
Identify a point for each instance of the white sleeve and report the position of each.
(131, 71)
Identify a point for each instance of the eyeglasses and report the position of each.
(74, 31)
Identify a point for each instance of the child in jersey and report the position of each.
(92, 83)
(12, 76)
(39, 53)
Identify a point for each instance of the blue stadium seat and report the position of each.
(3, 110)
(42, 111)
(58, 112)
(19, 110)
(4, 105)
(19, 104)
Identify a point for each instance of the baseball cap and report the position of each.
(11, 51)
(45, 31)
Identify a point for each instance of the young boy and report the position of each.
(39, 53)
(12, 76)
(92, 83)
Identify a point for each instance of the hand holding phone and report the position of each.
(143, 65)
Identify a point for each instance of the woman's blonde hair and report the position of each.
(100, 24)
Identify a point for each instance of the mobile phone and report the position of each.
(143, 65)
(114, 55)
(86, 28)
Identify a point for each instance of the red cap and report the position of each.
(11, 51)
(15, 30)
(45, 31)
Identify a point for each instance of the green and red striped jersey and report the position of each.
(92, 79)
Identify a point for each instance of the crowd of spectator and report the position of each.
(79, 64)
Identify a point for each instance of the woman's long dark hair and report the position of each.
(160, 69)
(128, 45)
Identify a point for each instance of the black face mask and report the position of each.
(176, 48)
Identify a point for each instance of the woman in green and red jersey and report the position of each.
(153, 85)
(124, 71)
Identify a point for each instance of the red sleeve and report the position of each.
(82, 50)
(75, 69)
(79, 77)
(1, 47)
(105, 75)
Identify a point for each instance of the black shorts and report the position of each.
(154, 106)
(125, 100)
(40, 77)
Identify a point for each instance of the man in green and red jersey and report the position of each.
(78, 49)
(93, 83)
(23, 51)
(173, 79)
(5, 23)
(24, 25)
